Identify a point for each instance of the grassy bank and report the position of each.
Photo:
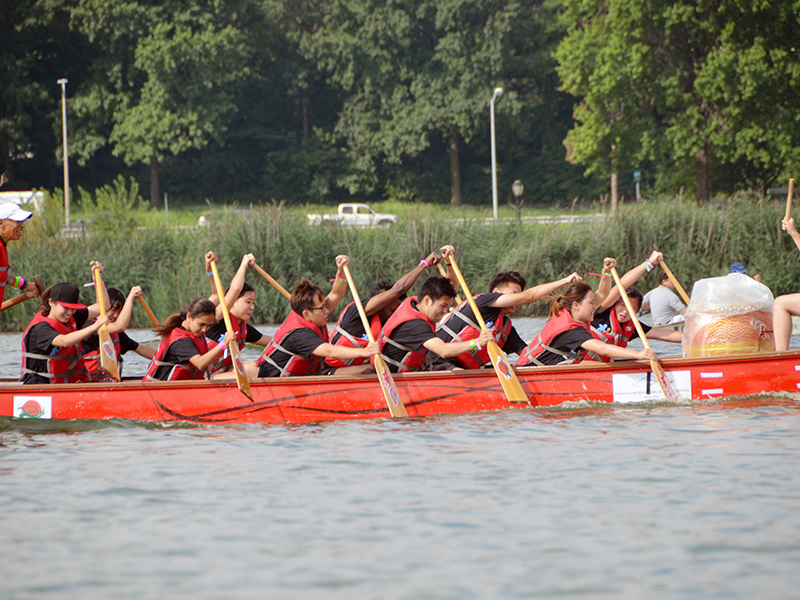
(698, 242)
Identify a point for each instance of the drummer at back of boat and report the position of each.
(410, 333)
(301, 344)
(496, 307)
(51, 344)
(384, 299)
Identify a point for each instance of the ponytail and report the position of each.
(575, 293)
(199, 307)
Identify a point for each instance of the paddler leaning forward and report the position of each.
(51, 344)
(567, 337)
(301, 343)
(496, 307)
(410, 333)
(384, 299)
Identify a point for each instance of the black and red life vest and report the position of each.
(92, 361)
(412, 359)
(224, 362)
(616, 333)
(557, 325)
(65, 364)
(178, 371)
(342, 337)
(500, 328)
(287, 362)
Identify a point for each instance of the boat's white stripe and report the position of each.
(714, 391)
(797, 367)
(710, 375)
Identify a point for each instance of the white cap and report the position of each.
(12, 211)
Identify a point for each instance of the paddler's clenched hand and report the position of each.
(656, 257)
(211, 256)
(609, 263)
(788, 225)
(341, 261)
(485, 337)
(432, 259)
(136, 292)
(447, 251)
(371, 349)
(574, 278)
(647, 354)
(96, 265)
(248, 260)
(101, 320)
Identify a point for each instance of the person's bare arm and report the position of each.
(380, 301)
(450, 349)
(327, 350)
(534, 293)
(339, 288)
(70, 339)
(612, 351)
(628, 280)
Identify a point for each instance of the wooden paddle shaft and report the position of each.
(628, 305)
(274, 283)
(149, 312)
(675, 283)
(789, 199)
(470, 299)
(14, 301)
(443, 273)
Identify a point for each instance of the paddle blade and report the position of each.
(108, 355)
(396, 406)
(238, 368)
(666, 386)
(505, 373)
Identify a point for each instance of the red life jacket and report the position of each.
(64, 365)
(342, 337)
(500, 328)
(224, 362)
(413, 359)
(3, 270)
(293, 364)
(562, 323)
(92, 361)
(178, 371)
(616, 334)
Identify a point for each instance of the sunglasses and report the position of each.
(323, 307)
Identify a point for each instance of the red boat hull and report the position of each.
(309, 399)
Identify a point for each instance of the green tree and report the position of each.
(412, 70)
(677, 81)
(164, 78)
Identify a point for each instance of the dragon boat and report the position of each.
(310, 399)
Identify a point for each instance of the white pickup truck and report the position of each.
(355, 215)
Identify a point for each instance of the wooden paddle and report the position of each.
(274, 283)
(396, 406)
(666, 387)
(675, 283)
(108, 354)
(443, 273)
(233, 347)
(505, 373)
(789, 199)
(149, 312)
(24, 296)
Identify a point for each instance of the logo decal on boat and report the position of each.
(387, 383)
(503, 367)
(33, 407)
(108, 349)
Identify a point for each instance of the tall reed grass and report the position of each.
(698, 242)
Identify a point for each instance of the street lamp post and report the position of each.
(497, 92)
(63, 84)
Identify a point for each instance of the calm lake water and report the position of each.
(581, 501)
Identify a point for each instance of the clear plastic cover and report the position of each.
(728, 315)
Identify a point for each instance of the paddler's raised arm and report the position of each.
(237, 283)
(210, 257)
(339, 288)
(606, 282)
(448, 251)
(94, 309)
(629, 279)
(400, 287)
(535, 293)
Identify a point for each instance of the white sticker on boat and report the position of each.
(633, 387)
(33, 407)
(710, 375)
(712, 392)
